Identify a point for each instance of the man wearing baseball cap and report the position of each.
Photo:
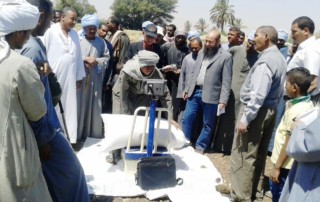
(174, 53)
(148, 43)
(145, 24)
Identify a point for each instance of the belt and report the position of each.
(198, 87)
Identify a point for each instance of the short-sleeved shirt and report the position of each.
(308, 56)
(283, 130)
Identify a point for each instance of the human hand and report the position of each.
(90, 61)
(45, 152)
(185, 96)
(87, 66)
(222, 106)
(274, 176)
(241, 128)
(44, 68)
(168, 68)
(176, 71)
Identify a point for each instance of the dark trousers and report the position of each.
(107, 100)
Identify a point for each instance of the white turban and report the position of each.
(283, 34)
(88, 20)
(15, 15)
(193, 34)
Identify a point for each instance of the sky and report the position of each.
(254, 13)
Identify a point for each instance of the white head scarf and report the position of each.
(15, 15)
(147, 58)
(141, 59)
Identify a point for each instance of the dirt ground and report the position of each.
(221, 162)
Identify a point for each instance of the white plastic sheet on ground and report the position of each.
(198, 173)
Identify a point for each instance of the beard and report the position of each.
(209, 52)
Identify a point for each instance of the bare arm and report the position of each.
(274, 176)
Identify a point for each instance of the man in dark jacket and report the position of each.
(148, 43)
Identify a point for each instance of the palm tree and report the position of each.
(187, 26)
(201, 25)
(222, 13)
(238, 23)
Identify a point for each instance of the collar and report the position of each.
(307, 42)
(300, 99)
(271, 48)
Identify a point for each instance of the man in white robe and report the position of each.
(64, 56)
(22, 100)
(96, 56)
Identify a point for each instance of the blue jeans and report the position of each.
(194, 104)
(276, 188)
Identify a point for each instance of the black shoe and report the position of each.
(114, 157)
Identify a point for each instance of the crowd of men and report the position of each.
(230, 98)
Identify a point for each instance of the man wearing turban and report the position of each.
(281, 43)
(21, 101)
(61, 168)
(96, 56)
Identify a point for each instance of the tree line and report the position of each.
(132, 13)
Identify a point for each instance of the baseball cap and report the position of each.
(151, 30)
(144, 24)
